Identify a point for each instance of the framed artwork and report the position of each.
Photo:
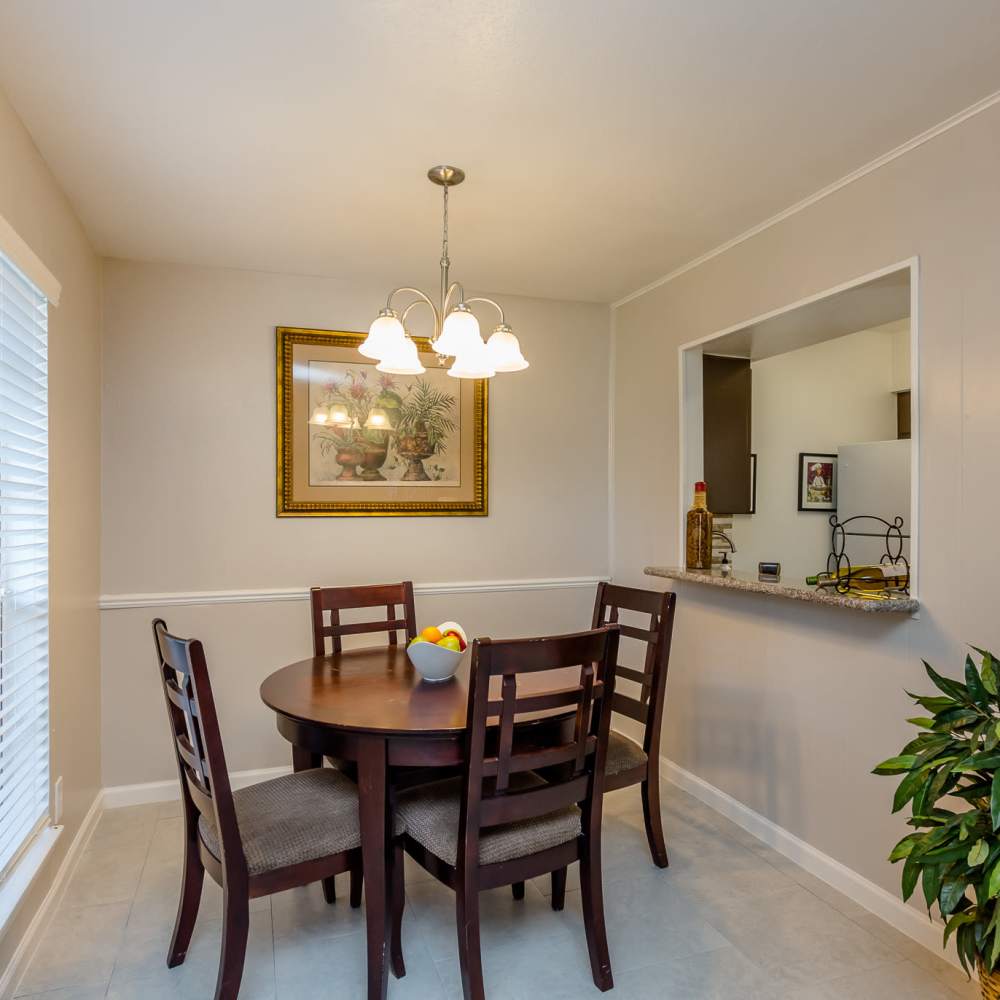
(753, 483)
(817, 481)
(355, 442)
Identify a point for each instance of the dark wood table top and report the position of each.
(377, 690)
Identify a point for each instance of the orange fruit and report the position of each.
(431, 634)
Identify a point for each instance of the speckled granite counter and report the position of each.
(794, 591)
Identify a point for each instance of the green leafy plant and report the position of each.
(952, 786)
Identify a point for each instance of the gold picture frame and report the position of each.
(356, 470)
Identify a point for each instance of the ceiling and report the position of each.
(882, 303)
(605, 143)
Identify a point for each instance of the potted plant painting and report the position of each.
(951, 788)
(362, 420)
(425, 421)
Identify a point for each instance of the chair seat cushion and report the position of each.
(430, 815)
(623, 754)
(292, 819)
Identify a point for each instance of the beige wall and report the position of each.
(33, 204)
(786, 706)
(189, 490)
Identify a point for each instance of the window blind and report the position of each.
(24, 562)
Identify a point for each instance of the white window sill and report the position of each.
(17, 883)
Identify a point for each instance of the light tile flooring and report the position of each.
(730, 918)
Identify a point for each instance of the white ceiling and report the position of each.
(606, 143)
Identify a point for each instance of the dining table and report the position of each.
(369, 706)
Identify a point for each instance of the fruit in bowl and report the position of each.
(437, 651)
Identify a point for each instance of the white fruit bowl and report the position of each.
(434, 663)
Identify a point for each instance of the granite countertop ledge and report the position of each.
(796, 592)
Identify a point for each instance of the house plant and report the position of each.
(951, 786)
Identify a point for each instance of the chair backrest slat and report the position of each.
(194, 727)
(647, 708)
(332, 600)
(492, 756)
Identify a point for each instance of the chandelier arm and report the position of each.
(455, 286)
(423, 301)
(421, 297)
(496, 305)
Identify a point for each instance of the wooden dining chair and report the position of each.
(500, 822)
(290, 831)
(328, 602)
(628, 762)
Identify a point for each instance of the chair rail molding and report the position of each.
(115, 602)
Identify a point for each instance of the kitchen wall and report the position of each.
(189, 494)
(32, 203)
(787, 706)
(813, 399)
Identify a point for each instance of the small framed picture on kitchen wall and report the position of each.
(817, 481)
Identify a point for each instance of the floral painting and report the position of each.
(356, 442)
(382, 429)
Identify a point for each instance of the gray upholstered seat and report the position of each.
(291, 819)
(430, 815)
(623, 754)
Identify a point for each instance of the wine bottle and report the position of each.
(699, 530)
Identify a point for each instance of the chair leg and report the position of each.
(558, 888)
(330, 889)
(235, 930)
(357, 884)
(654, 821)
(518, 890)
(398, 891)
(470, 957)
(187, 908)
(593, 914)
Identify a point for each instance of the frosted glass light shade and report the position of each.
(320, 417)
(339, 415)
(378, 420)
(503, 352)
(459, 331)
(384, 334)
(472, 362)
(402, 359)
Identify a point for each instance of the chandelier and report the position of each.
(456, 329)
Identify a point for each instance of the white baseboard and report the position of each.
(906, 919)
(117, 796)
(26, 947)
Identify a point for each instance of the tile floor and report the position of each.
(730, 918)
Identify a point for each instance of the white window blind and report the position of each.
(24, 562)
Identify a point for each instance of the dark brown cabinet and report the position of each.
(726, 397)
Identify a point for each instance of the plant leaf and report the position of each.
(978, 853)
(896, 765)
(905, 847)
(995, 800)
(951, 894)
(921, 722)
(955, 922)
(974, 684)
(932, 883)
(955, 690)
(911, 872)
(908, 788)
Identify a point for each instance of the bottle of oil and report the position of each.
(699, 530)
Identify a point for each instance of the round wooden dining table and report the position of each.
(370, 706)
